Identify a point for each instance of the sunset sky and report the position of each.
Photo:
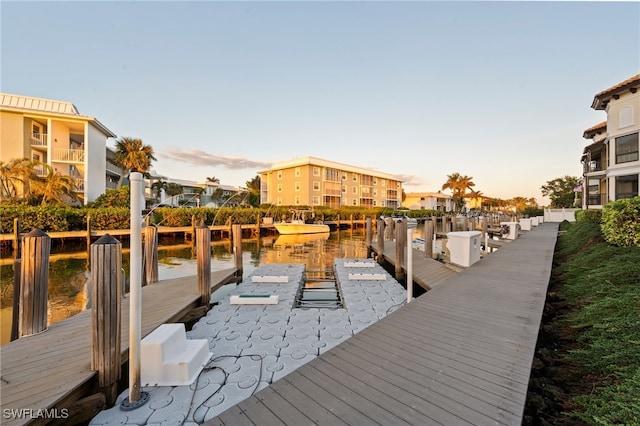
(500, 91)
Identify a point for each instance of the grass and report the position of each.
(601, 286)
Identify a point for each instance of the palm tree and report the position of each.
(172, 190)
(133, 156)
(17, 175)
(157, 187)
(458, 185)
(253, 186)
(213, 179)
(54, 187)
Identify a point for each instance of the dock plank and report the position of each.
(461, 353)
(48, 369)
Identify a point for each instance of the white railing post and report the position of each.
(409, 264)
(136, 396)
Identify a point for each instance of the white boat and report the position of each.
(298, 225)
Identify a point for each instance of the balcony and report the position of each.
(40, 171)
(68, 155)
(38, 139)
(79, 185)
(594, 166)
(114, 169)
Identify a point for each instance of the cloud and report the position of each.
(409, 180)
(197, 157)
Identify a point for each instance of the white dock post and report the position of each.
(136, 397)
(409, 264)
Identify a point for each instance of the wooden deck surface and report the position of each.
(53, 368)
(427, 272)
(460, 354)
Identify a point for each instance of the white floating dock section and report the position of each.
(253, 299)
(359, 264)
(270, 279)
(368, 277)
(170, 359)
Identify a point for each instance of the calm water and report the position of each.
(68, 283)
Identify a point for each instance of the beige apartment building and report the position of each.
(55, 133)
(611, 166)
(311, 181)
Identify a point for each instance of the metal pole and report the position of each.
(135, 398)
(409, 264)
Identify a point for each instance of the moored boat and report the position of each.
(298, 225)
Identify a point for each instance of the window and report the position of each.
(355, 202)
(297, 200)
(344, 189)
(316, 171)
(297, 186)
(279, 174)
(384, 183)
(626, 186)
(316, 186)
(331, 175)
(626, 117)
(355, 190)
(297, 172)
(355, 177)
(36, 129)
(627, 148)
(279, 187)
(316, 200)
(279, 202)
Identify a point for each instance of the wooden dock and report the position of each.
(53, 369)
(427, 272)
(461, 354)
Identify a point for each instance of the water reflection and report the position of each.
(68, 277)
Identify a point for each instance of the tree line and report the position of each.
(35, 183)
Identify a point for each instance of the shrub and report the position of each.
(621, 222)
(593, 215)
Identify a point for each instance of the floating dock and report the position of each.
(256, 345)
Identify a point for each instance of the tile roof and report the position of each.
(594, 130)
(601, 99)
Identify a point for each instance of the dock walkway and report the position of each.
(53, 369)
(427, 272)
(459, 354)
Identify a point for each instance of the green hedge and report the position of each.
(65, 218)
(593, 215)
(621, 222)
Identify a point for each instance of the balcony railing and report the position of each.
(79, 185)
(38, 139)
(39, 171)
(594, 166)
(70, 155)
(111, 185)
(114, 169)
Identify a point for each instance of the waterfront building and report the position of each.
(311, 181)
(611, 166)
(428, 201)
(55, 133)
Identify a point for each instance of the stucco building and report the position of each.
(311, 181)
(611, 166)
(55, 133)
(428, 201)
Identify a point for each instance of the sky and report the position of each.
(499, 91)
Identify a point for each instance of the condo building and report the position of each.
(55, 133)
(311, 181)
(611, 166)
